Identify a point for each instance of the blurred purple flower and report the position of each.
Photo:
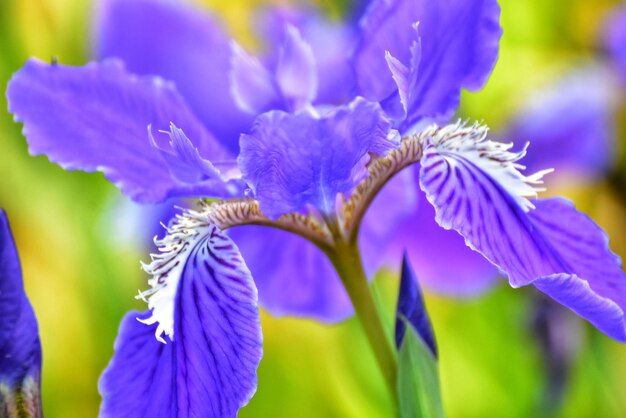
(20, 349)
(614, 37)
(574, 115)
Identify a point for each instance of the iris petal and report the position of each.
(95, 117)
(291, 161)
(181, 43)
(293, 276)
(459, 47)
(208, 368)
(296, 73)
(431, 248)
(252, 85)
(476, 190)
(20, 349)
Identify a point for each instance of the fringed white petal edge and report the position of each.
(470, 143)
(167, 266)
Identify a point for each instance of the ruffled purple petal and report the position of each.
(96, 117)
(615, 38)
(20, 349)
(293, 276)
(411, 308)
(182, 43)
(209, 368)
(459, 47)
(477, 191)
(570, 124)
(291, 161)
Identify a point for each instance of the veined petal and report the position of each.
(459, 47)
(296, 72)
(293, 276)
(95, 117)
(476, 188)
(431, 248)
(180, 42)
(20, 349)
(291, 161)
(205, 301)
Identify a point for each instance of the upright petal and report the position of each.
(20, 349)
(476, 188)
(293, 276)
(205, 301)
(571, 123)
(291, 161)
(252, 85)
(95, 118)
(330, 41)
(182, 43)
(459, 47)
(295, 71)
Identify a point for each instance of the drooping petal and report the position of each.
(20, 349)
(95, 118)
(182, 43)
(291, 161)
(205, 301)
(570, 124)
(294, 277)
(476, 188)
(440, 258)
(412, 309)
(615, 38)
(459, 47)
(296, 73)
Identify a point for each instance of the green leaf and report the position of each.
(419, 395)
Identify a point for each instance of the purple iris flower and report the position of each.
(310, 190)
(20, 349)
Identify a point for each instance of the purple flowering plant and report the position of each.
(323, 158)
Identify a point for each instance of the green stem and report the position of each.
(347, 260)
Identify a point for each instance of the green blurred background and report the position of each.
(81, 278)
